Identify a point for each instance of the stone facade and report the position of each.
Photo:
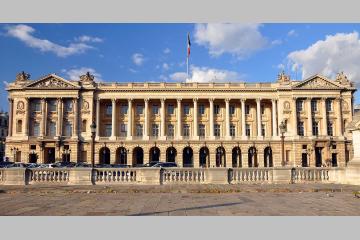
(194, 124)
(4, 118)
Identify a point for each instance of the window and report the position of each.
(68, 105)
(201, 130)
(328, 105)
(186, 109)
(108, 110)
(155, 109)
(52, 105)
(52, 129)
(124, 109)
(32, 147)
(313, 105)
(217, 130)
(139, 109)
(247, 129)
(262, 108)
(330, 129)
(139, 130)
(247, 109)
(83, 126)
(201, 109)
(315, 128)
(155, 130)
(170, 130)
(216, 109)
(170, 109)
(108, 130)
(123, 129)
(232, 110)
(36, 129)
(186, 130)
(299, 105)
(300, 128)
(232, 130)
(304, 147)
(68, 129)
(36, 105)
(263, 130)
(19, 126)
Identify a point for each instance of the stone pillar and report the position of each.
(146, 119)
(324, 118)
(44, 117)
(26, 122)
(129, 132)
(162, 119)
(11, 109)
(76, 117)
(59, 119)
(196, 157)
(274, 120)
(211, 122)
(113, 119)
(97, 118)
(294, 118)
(243, 119)
(179, 135)
(309, 117)
(196, 125)
(258, 116)
(227, 119)
(339, 123)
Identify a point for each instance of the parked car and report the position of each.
(150, 164)
(64, 164)
(32, 165)
(4, 164)
(82, 164)
(119, 166)
(165, 164)
(47, 165)
(16, 165)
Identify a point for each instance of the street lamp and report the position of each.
(66, 152)
(14, 151)
(309, 151)
(282, 128)
(93, 131)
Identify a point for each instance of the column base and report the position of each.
(228, 138)
(146, 138)
(195, 138)
(163, 138)
(112, 138)
(179, 138)
(129, 138)
(211, 138)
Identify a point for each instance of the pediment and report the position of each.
(52, 81)
(317, 82)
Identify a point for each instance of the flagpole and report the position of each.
(187, 67)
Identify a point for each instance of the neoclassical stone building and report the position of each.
(194, 124)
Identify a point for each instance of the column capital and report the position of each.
(195, 99)
(162, 100)
(258, 100)
(146, 100)
(179, 99)
(113, 100)
(227, 99)
(295, 98)
(243, 100)
(211, 99)
(323, 98)
(309, 98)
(129, 99)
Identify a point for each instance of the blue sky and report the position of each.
(157, 52)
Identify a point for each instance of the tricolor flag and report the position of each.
(188, 45)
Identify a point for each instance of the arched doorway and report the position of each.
(104, 155)
(318, 157)
(204, 157)
(154, 154)
(121, 155)
(236, 157)
(188, 157)
(220, 157)
(170, 154)
(268, 160)
(252, 157)
(138, 156)
(33, 157)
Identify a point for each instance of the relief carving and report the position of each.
(52, 82)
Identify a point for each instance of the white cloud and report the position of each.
(75, 73)
(165, 66)
(86, 38)
(167, 50)
(292, 33)
(205, 74)
(138, 59)
(276, 42)
(240, 40)
(25, 34)
(132, 70)
(339, 52)
(281, 66)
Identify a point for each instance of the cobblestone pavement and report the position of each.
(181, 200)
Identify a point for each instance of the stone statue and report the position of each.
(22, 77)
(283, 78)
(87, 77)
(342, 79)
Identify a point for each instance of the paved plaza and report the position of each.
(189, 200)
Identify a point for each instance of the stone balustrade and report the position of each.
(251, 175)
(111, 175)
(183, 175)
(2, 175)
(48, 175)
(310, 174)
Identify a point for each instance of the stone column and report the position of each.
(59, 115)
(162, 119)
(146, 119)
(309, 117)
(274, 120)
(76, 117)
(26, 122)
(211, 120)
(339, 122)
(113, 119)
(44, 117)
(227, 119)
(179, 135)
(324, 118)
(294, 118)
(243, 119)
(258, 116)
(196, 125)
(129, 132)
(11, 108)
(97, 118)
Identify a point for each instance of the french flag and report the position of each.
(188, 45)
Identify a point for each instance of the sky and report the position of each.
(222, 52)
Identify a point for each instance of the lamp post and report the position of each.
(282, 128)
(66, 152)
(309, 151)
(14, 151)
(93, 132)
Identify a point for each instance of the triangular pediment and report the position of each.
(317, 82)
(52, 81)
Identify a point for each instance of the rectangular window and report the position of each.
(19, 126)
(170, 130)
(186, 109)
(330, 129)
(68, 129)
(299, 105)
(201, 130)
(232, 110)
(68, 106)
(263, 130)
(155, 130)
(232, 130)
(313, 105)
(262, 108)
(155, 109)
(108, 110)
(247, 109)
(139, 109)
(170, 109)
(217, 130)
(123, 130)
(52, 105)
(186, 130)
(124, 109)
(315, 128)
(36, 129)
(201, 109)
(139, 130)
(247, 130)
(52, 129)
(329, 105)
(216, 109)
(108, 130)
(300, 128)
(36, 105)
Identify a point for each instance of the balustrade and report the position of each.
(251, 175)
(183, 175)
(110, 175)
(310, 174)
(48, 175)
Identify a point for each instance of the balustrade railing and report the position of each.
(251, 175)
(1, 175)
(183, 175)
(112, 175)
(310, 174)
(49, 175)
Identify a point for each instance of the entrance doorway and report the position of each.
(188, 157)
(236, 157)
(318, 157)
(49, 155)
(138, 156)
(33, 157)
(304, 161)
(170, 154)
(104, 155)
(204, 157)
(268, 160)
(154, 154)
